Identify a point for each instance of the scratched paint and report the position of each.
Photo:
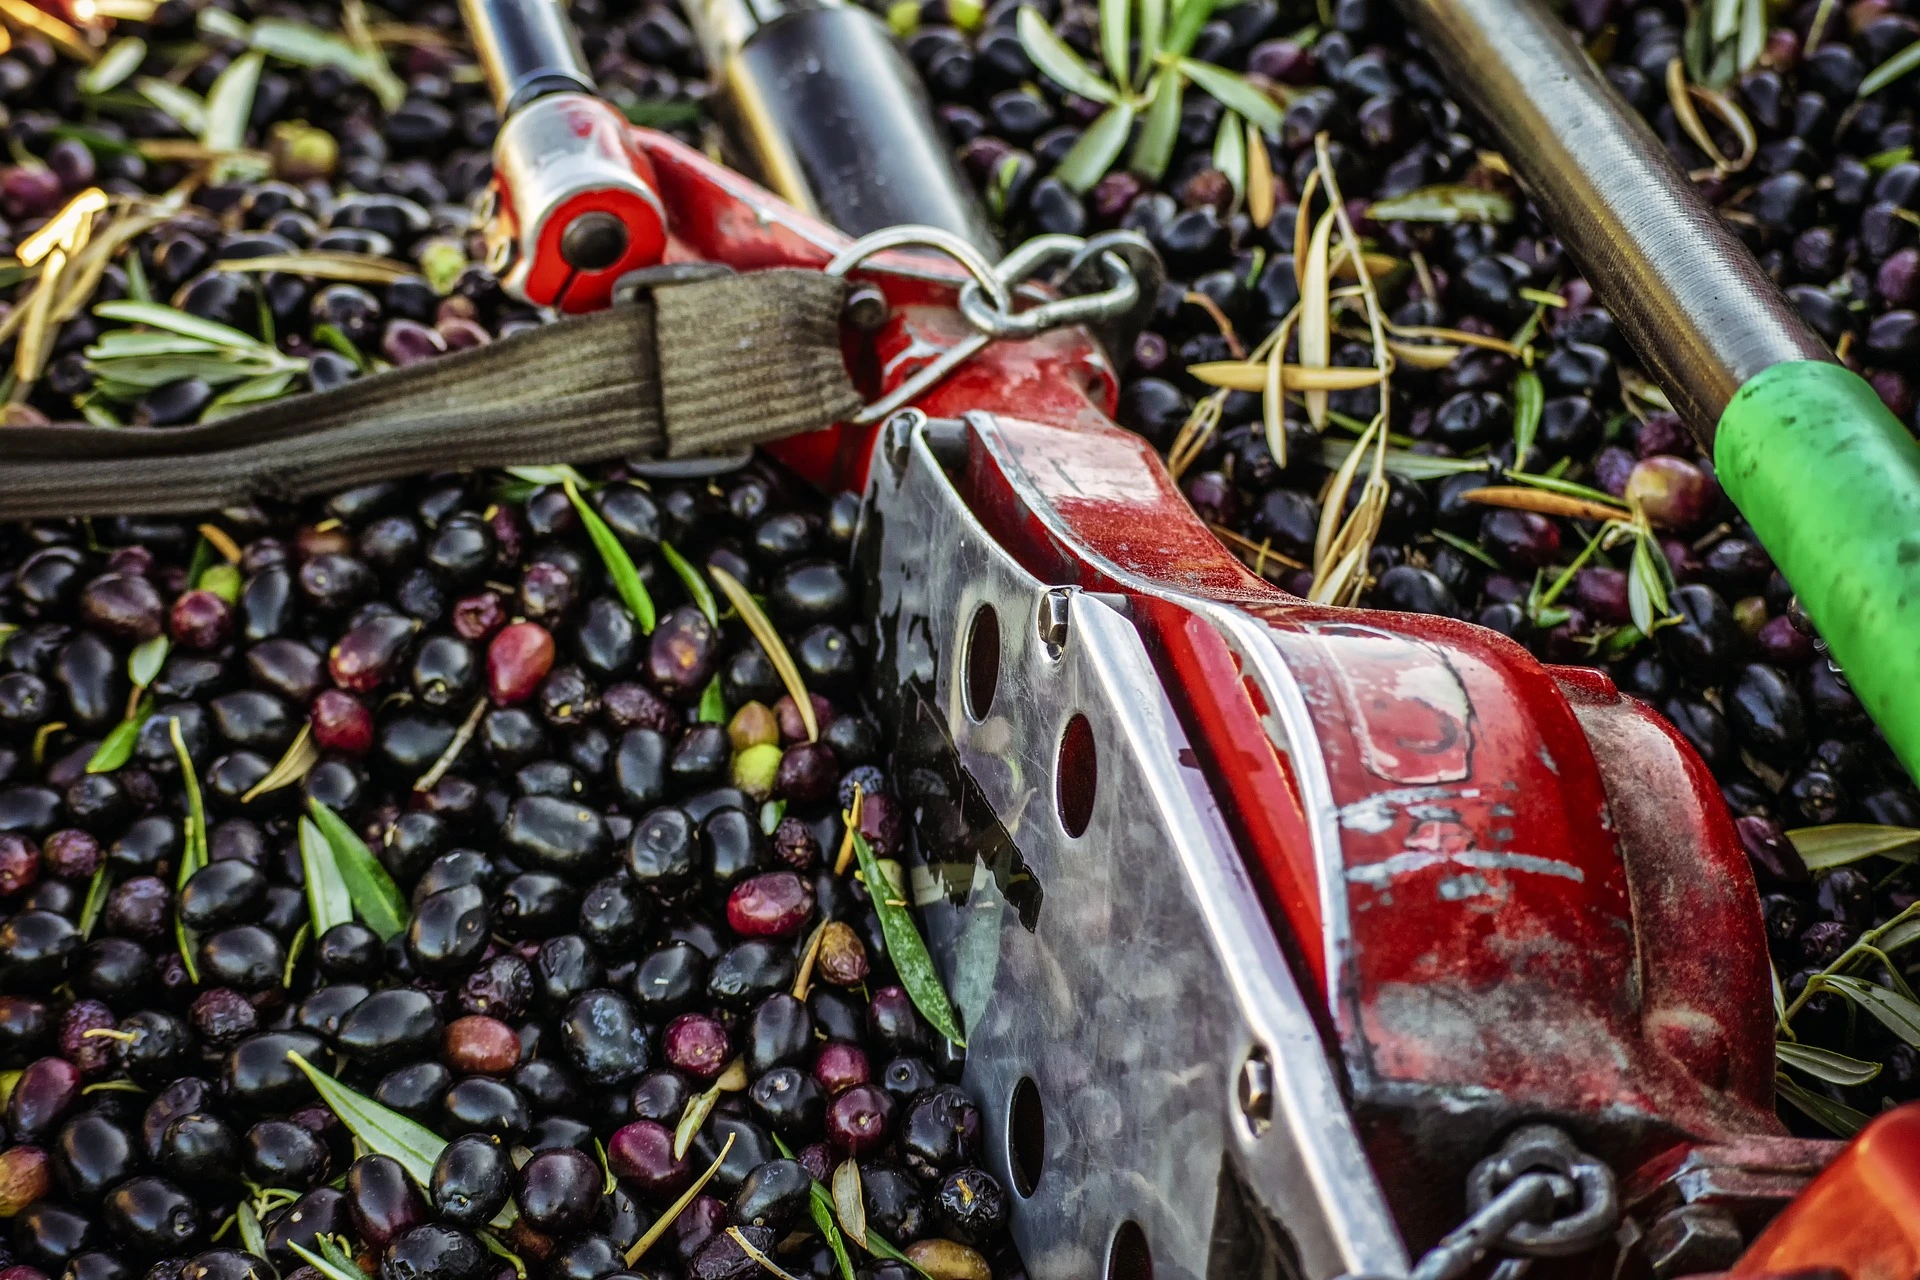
(1379, 875)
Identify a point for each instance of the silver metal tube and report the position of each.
(1687, 295)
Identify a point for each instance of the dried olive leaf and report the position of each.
(384, 1131)
(849, 1201)
(297, 762)
(328, 902)
(620, 566)
(907, 950)
(1836, 1116)
(377, 900)
(1824, 848)
(1447, 202)
(674, 1210)
(763, 631)
(699, 1107)
(1825, 1064)
(767, 1264)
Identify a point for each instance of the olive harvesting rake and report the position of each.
(1287, 939)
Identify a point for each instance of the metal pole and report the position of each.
(1685, 292)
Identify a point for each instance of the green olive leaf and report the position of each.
(1056, 60)
(1843, 843)
(328, 902)
(697, 589)
(117, 747)
(384, 1131)
(377, 900)
(1836, 1116)
(906, 948)
(1825, 1064)
(620, 566)
(1529, 402)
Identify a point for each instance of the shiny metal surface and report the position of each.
(1693, 302)
(526, 48)
(1129, 973)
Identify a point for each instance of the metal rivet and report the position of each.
(1256, 1091)
(898, 437)
(866, 308)
(1053, 621)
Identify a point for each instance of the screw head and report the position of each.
(1256, 1091)
(593, 241)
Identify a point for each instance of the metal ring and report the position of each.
(1121, 293)
(1544, 1148)
(913, 235)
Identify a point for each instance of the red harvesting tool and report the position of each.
(1288, 939)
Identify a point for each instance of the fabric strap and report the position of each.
(698, 367)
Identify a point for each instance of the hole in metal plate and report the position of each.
(1026, 1136)
(1128, 1257)
(1076, 776)
(983, 661)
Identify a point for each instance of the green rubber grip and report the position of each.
(1830, 481)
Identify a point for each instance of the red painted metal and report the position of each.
(1533, 904)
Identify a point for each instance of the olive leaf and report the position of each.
(294, 948)
(713, 704)
(1825, 1064)
(117, 747)
(254, 1239)
(697, 589)
(620, 566)
(699, 1107)
(295, 764)
(1894, 1011)
(328, 902)
(1646, 588)
(194, 855)
(1447, 202)
(1153, 149)
(186, 107)
(307, 46)
(1116, 39)
(820, 1206)
(1836, 1116)
(121, 60)
(1824, 848)
(762, 628)
(753, 1252)
(906, 948)
(849, 1201)
(377, 900)
(384, 1131)
(144, 663)
(1056, 60)
(1230, 152)
(1404, 462)
(678, 1207)
(230, 103)
(96, 901)
(1234, 92)
(1529, 401)
(1892, 69)
(327, 1267)
(1088, 160)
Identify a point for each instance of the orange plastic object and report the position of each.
(1861, 1215)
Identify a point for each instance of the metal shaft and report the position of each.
(1686, 293)
(527, 48)
(831, 115)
